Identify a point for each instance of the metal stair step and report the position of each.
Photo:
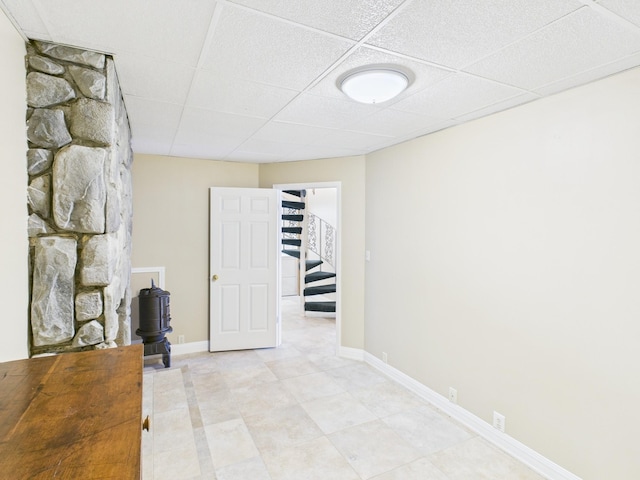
(319, 290)
(315, 276)
(294, 205)
(293, 253)
(297, 230)
(292, 241)
(320, 306)
(293, 218)
(296, 193)
(309, 264)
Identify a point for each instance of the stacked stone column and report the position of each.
(79, 195)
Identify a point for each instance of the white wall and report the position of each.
(521, 288)
(13, 181)
(322, 202)
(171, 229)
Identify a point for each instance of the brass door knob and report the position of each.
(146, 423)
(214, 278)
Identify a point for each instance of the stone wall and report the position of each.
(79, 196)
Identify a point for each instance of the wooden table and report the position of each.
(72, 416)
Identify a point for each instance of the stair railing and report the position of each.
(321, 239)
(302, 265)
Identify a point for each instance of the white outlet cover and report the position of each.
(453, 395)
(499, 421)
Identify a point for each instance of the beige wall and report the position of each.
(14, 242)
(521, 286)
(171, 229)
(350, 172)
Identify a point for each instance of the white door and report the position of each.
(243, 252)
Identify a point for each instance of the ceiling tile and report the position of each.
(352, 19)
(456, 95)
(590, 75)
(27, 16)
(497, 107)
(628, 9)
(215, 90)
(393, 122)
(353, 140)
(91, 24)
(430, 129)
(150, 78)
(253, 157)
(576, 43)
(290, 132)
(200, 125)
(269, 51)
(153, 124)
(152, 28)
(424, 74)
(457, 33)
(215, 147)
(324, 111)
(328, 151)
(255, 145)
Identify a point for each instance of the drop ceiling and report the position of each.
(255, 80)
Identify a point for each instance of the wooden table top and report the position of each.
(72, 416)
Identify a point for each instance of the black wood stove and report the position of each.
(154, 322)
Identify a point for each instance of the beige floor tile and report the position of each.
(278, 353)
(316, 459)
(167, 377)
(208, 382)
(169, 397)
(476, 459)
(310, 387)
(245, 376)
(337, 412)
(251, 469)
(237, 360)
(172, 428)
(230, 443)
(282, 427)
(373, 448)
(179, 464)
(218, 407)
(427, 430)
(328, 360)
(387, 398)
(292, 367)
(421, 469)
(261, 398)
(356, 376)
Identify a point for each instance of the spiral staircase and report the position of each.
(317, 281)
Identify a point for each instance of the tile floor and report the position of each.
(298, 412)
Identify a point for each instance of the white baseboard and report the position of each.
(191, 347)
(510, 445)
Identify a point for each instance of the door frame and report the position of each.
(338, 186)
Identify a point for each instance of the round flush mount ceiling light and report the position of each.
(374, 84)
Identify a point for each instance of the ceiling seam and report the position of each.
(215, 17)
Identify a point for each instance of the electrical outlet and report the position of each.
(498, 421)
(453, 395)
(180, 338)
(385, 358)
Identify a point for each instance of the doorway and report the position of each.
(320, 242)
